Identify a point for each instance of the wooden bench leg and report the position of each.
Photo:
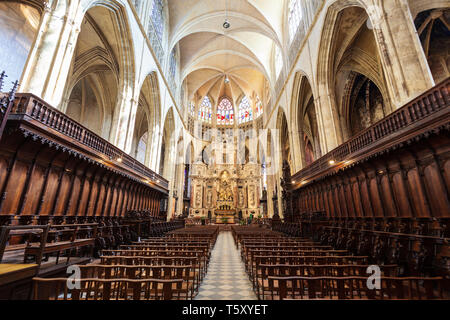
(92, 250)
(68, 255)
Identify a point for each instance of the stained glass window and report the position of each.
(158, 18)
(205, 110)
(245, 110)
(173, 63)
(141, 148)
(258, 108)
(191, 108)
(225, 112)
(295, 17)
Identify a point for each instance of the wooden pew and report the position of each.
(263, 272)
(158, 261)
(108, 289)
(168, 272)
(70, 241)
(15, 279)
(392, 288)
(41, 230)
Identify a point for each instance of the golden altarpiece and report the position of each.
(226, 188)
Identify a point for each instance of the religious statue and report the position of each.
(241, 198)
(209, 198)
(252, 196)
(225, 193)
(198, 197)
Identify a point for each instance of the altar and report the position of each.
(224, 194)
(225, 216)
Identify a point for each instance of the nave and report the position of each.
(226, 278)
(137, 137)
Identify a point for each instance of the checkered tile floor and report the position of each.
(226, 278)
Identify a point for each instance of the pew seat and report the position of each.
(88, 233)
(109, 289)
(354, 287)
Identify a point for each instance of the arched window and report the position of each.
(258, 108)
(205, 110)
(141, 148)
(158, 18)
(278, 61)
(245, 111)
(225, 112)
(173, 63)
(191, 108)
(295, 17)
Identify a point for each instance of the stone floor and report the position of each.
(226, 278)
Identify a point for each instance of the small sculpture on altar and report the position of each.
(225, 193)
(241, 198)
(209, 198)
(198, 198)
(252, 196)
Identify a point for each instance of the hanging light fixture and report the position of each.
(226, 24)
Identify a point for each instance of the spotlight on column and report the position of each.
(331, 162)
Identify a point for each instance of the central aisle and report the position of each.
(226, 278)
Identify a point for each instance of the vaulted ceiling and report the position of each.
(209, 53)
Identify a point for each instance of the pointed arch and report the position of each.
(304, 120)
(225, 111)
(167, 145)
(284, 137)
(347, 45)
(245, 110)
(104, 62)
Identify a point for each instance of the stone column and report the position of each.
(180, 188)
(128, 128)
(296, 152)
(404, 62)
(330, 134)
(148, 154)
(50, 58)
(124, 115)
(156, 149)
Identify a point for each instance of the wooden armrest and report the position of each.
(24, 232)
(15, 247)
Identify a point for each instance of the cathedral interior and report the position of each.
(127, 123)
